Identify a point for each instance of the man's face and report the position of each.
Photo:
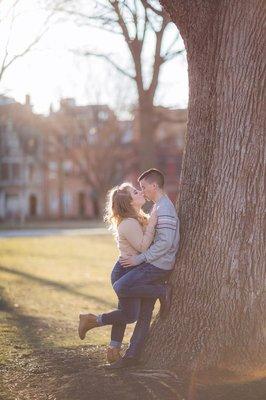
(149, 190)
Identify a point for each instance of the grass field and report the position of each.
(45, 282)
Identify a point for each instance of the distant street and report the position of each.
(12, 233)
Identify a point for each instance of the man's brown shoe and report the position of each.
(113, 354)
(86, 322)
(124, 362)
(166, 302)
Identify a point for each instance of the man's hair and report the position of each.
(153, 175)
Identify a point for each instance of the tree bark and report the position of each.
(147, 129)
(218, 311)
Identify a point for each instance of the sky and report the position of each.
(52, 70)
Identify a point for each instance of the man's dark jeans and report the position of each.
(145, 281)
(137, 289)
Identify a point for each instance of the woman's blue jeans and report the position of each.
(127, 310)
(137, 289)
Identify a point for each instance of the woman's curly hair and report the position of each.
(119, 206)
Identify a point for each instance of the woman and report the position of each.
(134, 233)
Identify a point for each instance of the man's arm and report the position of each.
(166, 230)
(165, 234)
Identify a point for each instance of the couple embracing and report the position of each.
(147, 246)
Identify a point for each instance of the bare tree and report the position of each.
(218, 311)
(140, 23)
(92, 138)
(9, 18)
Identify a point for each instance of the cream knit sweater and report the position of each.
(132, 238)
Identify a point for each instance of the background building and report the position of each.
(60, 166)
(21, 160)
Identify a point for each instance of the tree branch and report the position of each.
(6, 64)
(98, 17)
(100, 27)
(146, 21)
(151, 7)
(134, 45)
(169, 56)
(120, 20)
(172, 43)
(109, 60)
(158, 60)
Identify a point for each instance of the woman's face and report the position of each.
(138, 199)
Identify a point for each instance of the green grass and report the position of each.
(45, 282)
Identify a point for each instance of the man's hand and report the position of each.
(128, 261)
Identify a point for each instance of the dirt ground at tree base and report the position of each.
(81, 374)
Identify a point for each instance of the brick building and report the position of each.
(21, 152)
(61, 165)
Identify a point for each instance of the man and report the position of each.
(153, 267)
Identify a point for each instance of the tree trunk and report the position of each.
(218, 311)
(147, 129)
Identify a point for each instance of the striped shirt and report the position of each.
(162, 252)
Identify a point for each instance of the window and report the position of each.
(12, 204)
(52, 143)
(31, 172)
(103, 115)
(52, 169)
(31, 145)
(66, 202)
(15, 171)
(53, 166)
(66, 140)
(92, 135)
(5, 171)
(67, 166)
(127, 136)
(53, 203)
(180, 141)
(12, 141)
(80, 140)
(2, 141)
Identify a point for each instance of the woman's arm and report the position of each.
(166, 231)
(132, 231)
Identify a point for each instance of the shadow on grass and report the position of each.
(80, 373)
(26, 325)
(73, 373)
(52, 256)
(55, 285)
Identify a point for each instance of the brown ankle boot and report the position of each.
(86, 322)
(113, 354)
